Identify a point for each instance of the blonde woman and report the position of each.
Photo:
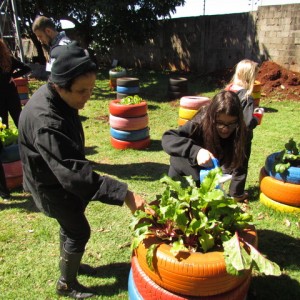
(10, 68)
(242, 84)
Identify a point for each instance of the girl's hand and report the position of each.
(204, 158)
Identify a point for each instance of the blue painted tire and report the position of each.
(133, 293)
(133, 135)
(10, 153)
(291, 175)
(128, 89)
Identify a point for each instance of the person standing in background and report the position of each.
(242, 84)
(45, 31)
(10, 68)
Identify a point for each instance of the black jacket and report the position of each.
(55, 169)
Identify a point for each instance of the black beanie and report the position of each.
(70, 62)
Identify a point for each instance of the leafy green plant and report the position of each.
(288, 157)
(200, 219)
(8, 136)
(118, 69)
(131, 100)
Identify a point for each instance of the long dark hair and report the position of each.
(229, 151)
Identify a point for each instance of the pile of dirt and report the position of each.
(278, 81)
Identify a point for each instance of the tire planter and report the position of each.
(182, 121)
(256, 93)
(177, 87)
(113, 75)
(194, 274)
(193, 102)
(133, 293)
(131, 135)
(128, 111)
(149, 290)
(128, 123)
(277, 205)
(23, 90)
(122, 145)
(10, 153)
(128, 86)
(13, 174)
(186, 113)
(283, 192)
(292, 175)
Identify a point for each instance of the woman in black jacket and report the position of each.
(216, 131)
(10, 68)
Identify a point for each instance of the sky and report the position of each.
(217, 7)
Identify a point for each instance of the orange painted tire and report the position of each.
(194, 274)
(127, 111)
(20, 81)
(185, 113)
(182, 121)
(149, 290)
(128, 123)
(23, 89)
(122, 145)
(13, 174)
(193, 102)
(283, 192)
(277, 205)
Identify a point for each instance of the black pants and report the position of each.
(75, 226)
(10, 103)
(4, 192)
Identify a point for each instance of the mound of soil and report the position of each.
(276, 81)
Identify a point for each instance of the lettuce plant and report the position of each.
(7, 136)
(203, 219)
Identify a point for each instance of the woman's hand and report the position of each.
(204, 158)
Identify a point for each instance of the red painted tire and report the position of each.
(194, 274)
(122, 145)
(277, 205)
(283, 192)
(22, 89)
(149, 290)
(128, 123)
(128, 111)
(193, 102)
(20, 81)
(13, 174)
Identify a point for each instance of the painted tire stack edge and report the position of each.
(23, 89)
(189, 106)
(129, 125)
(177, 87)
(113, 75)
(280, 191)
(127, 86)
(256, 93)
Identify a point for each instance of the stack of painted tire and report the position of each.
(189, 277)
(177, 87)
(256, 93)
(12, 166)
(23, 90)
(129, 125)
(127, 86)
(280, 191)
(114, 74)
(189, 106)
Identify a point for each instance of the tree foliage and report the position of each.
(101, 23)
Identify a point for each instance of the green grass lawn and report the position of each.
(29, 240)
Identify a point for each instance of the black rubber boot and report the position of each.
(84, 269)
(67, 285)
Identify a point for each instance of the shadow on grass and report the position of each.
(285, 251)
(146, 171)
(118, 271)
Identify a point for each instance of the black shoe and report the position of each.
(73, 290)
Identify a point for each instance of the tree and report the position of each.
(100, 23)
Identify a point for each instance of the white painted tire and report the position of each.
(193, 102)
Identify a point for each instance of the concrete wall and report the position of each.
(208, 43)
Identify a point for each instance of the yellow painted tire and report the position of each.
(277, 205)
(284, 192)
(186, 113)
(257, 86)
(256, 95)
